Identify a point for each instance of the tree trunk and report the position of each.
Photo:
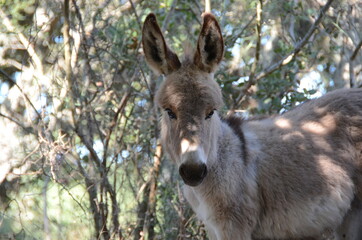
(150, 220)
(47, 235)
(141, 214)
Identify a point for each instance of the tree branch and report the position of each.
(207, 6)
(14, 63)
(169, 13)
(354, 54)
(22, 92)
(135, 13)
(352, 80)
(92, 192)
(122, 105)
(106, 183)
(84, 39)
(127, 6)
(259, 11)
(287, 59)
(233, 38)
(17, 122)
(24, 41)
(150, 218)
(67, 48)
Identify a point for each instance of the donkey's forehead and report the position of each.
(184, 88)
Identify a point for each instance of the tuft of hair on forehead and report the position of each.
(189, 51)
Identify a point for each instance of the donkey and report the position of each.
(291, 176)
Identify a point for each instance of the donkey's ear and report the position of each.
(210, 46)
(158, 56)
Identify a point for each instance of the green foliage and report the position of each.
(25, 212)
(21, 11)
(81, 150)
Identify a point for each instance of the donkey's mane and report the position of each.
(235, 123)
(189, 50)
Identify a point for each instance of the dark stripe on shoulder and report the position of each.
(235, 122)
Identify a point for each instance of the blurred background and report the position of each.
(79, 150)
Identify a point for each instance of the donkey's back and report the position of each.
(309, 165)
(343, 105)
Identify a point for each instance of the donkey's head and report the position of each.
(189, 96)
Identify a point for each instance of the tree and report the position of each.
(80, 151)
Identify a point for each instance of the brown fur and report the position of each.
(160, 57)
(293, 176)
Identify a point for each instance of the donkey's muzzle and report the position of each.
(193, 174)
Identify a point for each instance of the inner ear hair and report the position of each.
(210, 45)
(158, 56)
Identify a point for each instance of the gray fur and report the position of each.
(293, 176)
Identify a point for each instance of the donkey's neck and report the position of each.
(223, 185)
(231, 143)
(229, 155)
(235, 123)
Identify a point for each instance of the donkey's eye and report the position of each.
(171, 114)
(209, 115)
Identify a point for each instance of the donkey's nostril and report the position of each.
(193, 174)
